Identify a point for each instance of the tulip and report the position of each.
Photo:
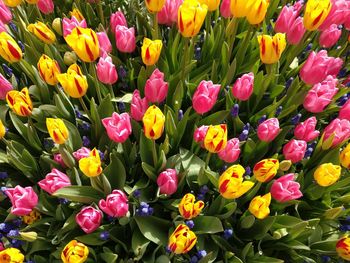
(271, 48)
(48, 69)
(57, 25)
(156, 88)
(138, 106)
(118, 127)
(205, 96)
(74, 252)
(89, 219)
(20, 102)
(231, 185)
(125, 39)
(285, 189)
(32, 217)
(343, 248)
(338, 128)
(285, 19)
(167, 182)
(150, 51)
(41, 31)
(69, 24)
(81, 153)
(330, 36)
(84, 43)
(168, 14)
(216, 138)
(70, 58)
(256, 11)
(200, 133)
(243, 87)
(154, 6)
(231, 152)
(58, 159)
(345, 157)
(259, 206)
(153, 123)
(344, 112)
(115, 205)
(73, 82)
(327, 174)
(296, 32)
(239, 8)
(268, 130)
(316, 11)
(225, 10)
(188, 208)
(2, 130)
(106, 71)
(1, 246)
(12, 3)
(117, 19)
(5, 86)
(91, 166)
(2, 27)
(57, 130)
(191, 15)
(104, 43)
(306, 130)
(334, 66)
(77, 14)
(338, 15)
(32, 2)
(11, 255)
(182, 240)
(9, 49)
(5, 13)
(46, 6)
(23, 199)
(211, 4)
(321, 95)
(54, 181)
(265, 170)
(294, 150)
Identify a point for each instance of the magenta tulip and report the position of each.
(23, 199)
(5, 13)
(46, 6)
(205, 96)
(243, 87)
(294, 150)
(340, 11)
(89, 219)
(115, 205)
(296, 31)
(268, 130)
(58, 159)
(287, 17)
(104, 43)
(330, 36)
(138, 106)
(231, 152)
(225, 9)
(168, 14)
(340, 129)
(285, 189)
(83, 152)
(344, 112)
(106, 71)
(69, 24)
(5, 86)
(156, 88)
(334, 66)
(125, 39)
(306, 130)
(117, 19)
(199, 134)
(167, 182)
(118, 127)
(54, 181)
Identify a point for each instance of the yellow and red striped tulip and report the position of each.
(153, 123)
(2, 130)
(73, 82)
(182, 240)
(91, 166)
(316, 12)
(74, 252)
(9, 49)
(48, 69)
(57, 129)
(266, 169)
(77, 14)
(188, 208)
(12, 3)
(256, 11)
(20, 102)
(271, 48)
(343, 248)
(43, 32)
(259, 206)
(216, 138)
(150, 51)
(211, 4)
(11, 255)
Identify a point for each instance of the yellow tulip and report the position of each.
(74, 252)
(2, 130)
(271, 48)
(256, 11)
(188, 208)
(343, 248)
(20, 102)
(265, 170)
(9, 49)
(216, 138)
(259, 206)
(57, 130)
(77, 14)
(239, 8)
(150, 51)
(345, 157)
(327, 174)
(48, 69)
(154, 6)
(43, 32)
(12, 3)
(32, 2)
(73, 82)
(11, 255)
(211, 4)
(91, 166)
(84, 43)
(182, 240)
(316, 12)
(153, 123)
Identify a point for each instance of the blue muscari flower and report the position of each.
(248, 170)
(16, 243)
(13, 26)
(8, 71)
(104, 235)
(227, 88)
(235, 110)
(3, 189)
(262, 119)
(180, 115)
(194, 259)
(122, 73)
(144, 209)
(223, 168)
(204, 189)
(30, 261)
(289, 82)
(296, 119)
(78, 113)
(344, 228)
(278, 111)
(190, 224)
(244, 135)
(3, 175)
(308, 152)
(6, 227)
(269, 28)
(63, 201)
(17, 222)
(86, 141)
(86, 126)
(202, 253)
(121, 106)
(21, 45)
(348, 84)
(347, 218)
(325, 259)
(137, 193)
(13, 233)
(102, 155)
(201, 196)
(308, 47)
(228, 233)
(342, 100)
(342, 73)
(197, 53)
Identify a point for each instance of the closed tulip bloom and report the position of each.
(182, 240)
(58, 159)
(256, 11)
(12, 3)
(46, 6)
(231, 184)
(239, 8)
(306, 130)
(266, 169)
(285, 189)
(191, 16)
(77, 14)
(69, 24)
(338, 15)
(294, 150)
(259, 206)
(91, 166)
(2, 130)
(48, 69)
(189, 208)
(31, 2)
(106, 71)
(286, 18)
(43, 32)
(54, 181)
(9, 49)
(334, 66)
(327, 174)
(118, 127)
(200, 133)
(340, 129)
(268, 130)
(316, 11)
(74, 252)
(211, 4)
(73, 82)
(243, 87)
(216, 138)
(2, 27)
(81, 153)
(154, 6)
(167, 181)
(343, 248)
(138, 106)
(205, 96)
(231, 152)
(5, 13)
(5, 86)
(345, 157)
(23, 199)
(115, 205)
(104, 43)
(225, 9)
(296, 32)
(20, 102)
(153, 123)
(271, 48)
(57, 130)
(117, 19)
(156, 89)
(84, 43)
(344, 112)
(150, 51)
(89, 219)
(11, 255)
(321, 95)
(125, 39)
(168, 14)
(330, 36)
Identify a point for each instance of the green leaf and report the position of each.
(115, 172)
(154, 229)
(215, 118)
(82, 194)
(139, 243)
(106, 108)
(207, 225)
(109, 257)
(92, 239)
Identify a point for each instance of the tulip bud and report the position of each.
(125, 39)
(138, 106)
(167, 182)
(211, 4)
(285, 189)
(205, 96)
(89, 219)
(106, 71)
(154, 6)
(256, 11)
(279, 233)
(12, 3)
(73, 82)
(199, 134)
(5, 13)
(116, 204)
(296, 32)
(169, 13)
(344, 112)
(57, 25)
(29, 236)
(330, 36)
(153, 123)
(345, 157)
(333, 213)
(46, 6)
(231, 152)
(285, 165)
(271, 48)
(306, 130)
(117, 19)
(104, 43)
(225, 10)
(259, 206)
(336, 133)
(150, 51)
(5, 86)
(2, 130)
(20, 102)
(77, 14)
(9, 49)
(327, 174)
(118, 127)
(70, 58)
(43, 32)
(54, 181)
(268, 130)
(294, 150)
(23, 199)
(243, 87)
(156, 89)
(57, 130)
(48, 69)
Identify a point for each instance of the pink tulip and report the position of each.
(104, 43)
(156, 88)
(5, 86)
(296, 31)
(54, 181)
(268, 130)
(167, 182)
(321, 95)
(168, 14)
(199, 134)
(340, 129)
(115, 205)
(5, 13)
(69, 24)
(344, 112)
(46, 6)
(89, 219)
(334, 66)
(138, 106)
(294, 150)
(58, 159)
(125, 39)
(330, 36)
(306, 130)
(205, 96)
(2, 27)
(225, 9)
(1, 246)
(340, 11)
(285, 189)
(118, 127)
(106, 71)
(23, 199)
(117, 19)
(81, 153)
(287, 17)
(231, 152)
(243, 87)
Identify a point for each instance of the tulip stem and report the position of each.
(155, 26)
(98, 88)
(186, 47)
(207, 160)
(111, 91)
(154, 153)
(82, 103)
(232, 36)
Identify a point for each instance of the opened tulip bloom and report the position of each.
(344, 157)
(191, 16)
(266, 169)
(243, 87)
(167, 181)
(118, 127)
(327, 174)
(43, 32)
(216, 138)
(23, 199)
(182, 240)
(330, 36)
(205, 96)
(117, 19)
(11, 255)
(125, 39)
(294, 150)
(91, 166)
(156, 89)
(104, 43)
(89, 219)
(48, 69)
(271, 48)
(259, 206)
(189, 208)
(153, 123)
(343, 248)
(138, 106)
(5, 86)
(316, 11)
(69, 24)
(20, 102)
(150, 51)
(339, 130)
(81, 153)
(306, 130)
(231, 152)
(106, 71)
(285, 189)
(54, 181)
(168, 14)
(115, 205)
(74, 252)
(268, 130)
(9, 49)
(73, 82)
